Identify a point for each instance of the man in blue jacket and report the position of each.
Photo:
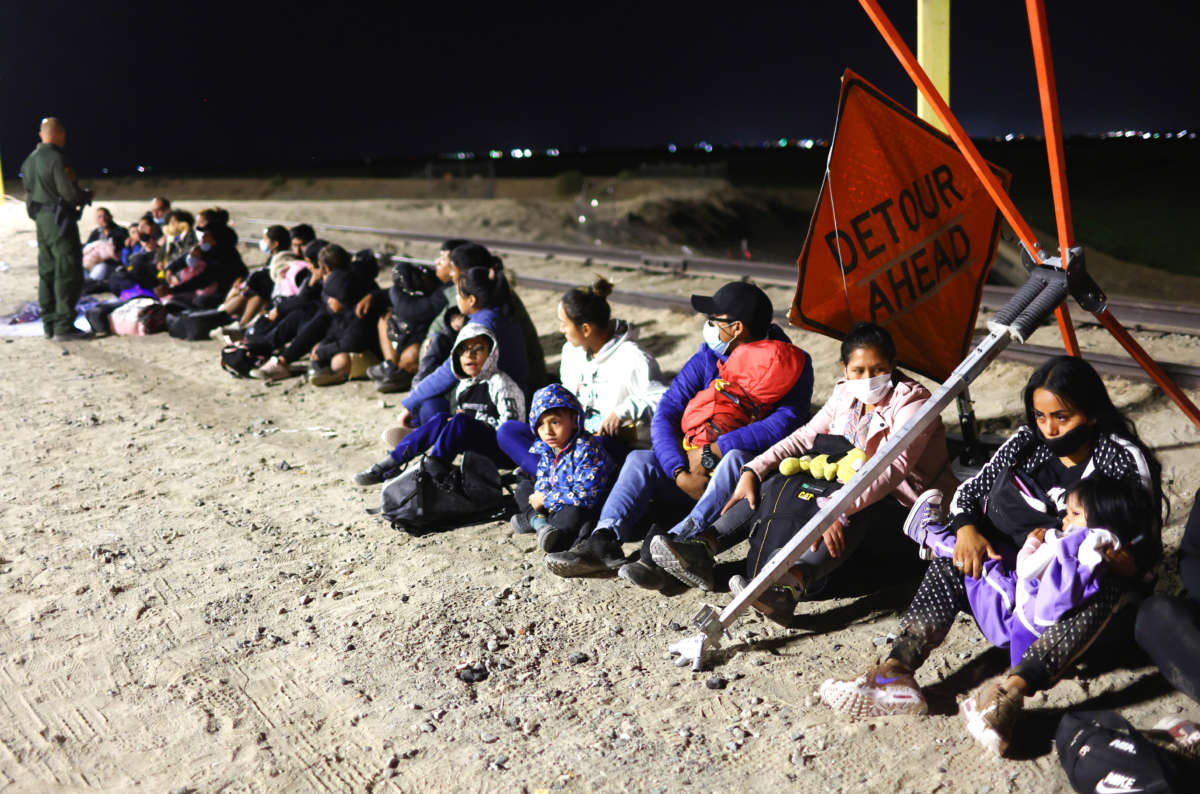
(677, 480)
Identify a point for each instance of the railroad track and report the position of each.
(1134, 313)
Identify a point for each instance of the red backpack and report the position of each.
(749, 383)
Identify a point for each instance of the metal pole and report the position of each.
(933, 53)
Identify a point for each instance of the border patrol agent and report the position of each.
(54, 201)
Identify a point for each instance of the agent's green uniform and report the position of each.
(48, 178)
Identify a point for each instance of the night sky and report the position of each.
(214, 85)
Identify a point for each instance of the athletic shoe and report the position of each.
(520, 523)
(326, 376)
(777, 603)
(874, 694)
(549, 537)
(383, 470)
(378, 372)
(991, 714)
(926, 513)
(72, 335)
(687, 559)
(595, 553)
(275, 369)
(1178, 735)
(394, 435)
(645, 575)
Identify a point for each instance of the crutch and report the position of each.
(1047, 287)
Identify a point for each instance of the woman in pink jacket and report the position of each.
(870, 403)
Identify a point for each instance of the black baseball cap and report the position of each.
(739, 300)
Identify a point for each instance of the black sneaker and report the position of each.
(383, 470)
(595, 553)
(378, 372)
(687, 559)
(397, 381)
(549, 537)
(645, 575)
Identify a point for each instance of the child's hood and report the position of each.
(621, 332)
(490, 367)
(550, 397)
(342, 284)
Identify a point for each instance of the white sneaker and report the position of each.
(275, 369)
(990, 715)
(875, 695)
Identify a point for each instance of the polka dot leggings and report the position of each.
(942, 595)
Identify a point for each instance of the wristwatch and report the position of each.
(708, 458)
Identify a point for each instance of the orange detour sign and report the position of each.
(903, 235)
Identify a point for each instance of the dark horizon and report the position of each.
(264, 87)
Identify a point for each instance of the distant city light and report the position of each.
(595, 203)
(704, 146)
(516, 154)
(141, 169)
(528, 153)
(806, 143)
(583, 219)
(495, 154)
(1009, 136)
(783, 143)
(671, 148)
(552, 152)
(1146, 136)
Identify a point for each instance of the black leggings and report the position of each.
(1168, 628)
(943, 594)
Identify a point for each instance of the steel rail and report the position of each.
(1143, 314)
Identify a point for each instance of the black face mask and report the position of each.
(1071, 440)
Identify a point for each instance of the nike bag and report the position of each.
(1102, 753)
(434, 495)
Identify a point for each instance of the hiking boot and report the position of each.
(383, 470)
(777, 603)
(275, 369)
(398, 381)
(520, 523)
(595, 553)
(72, 335)
(927, 513)
(326, 376)
(874, 694)
(689, 560)
(991, 714)
(645, 575)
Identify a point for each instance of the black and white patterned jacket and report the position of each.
(1112, 456)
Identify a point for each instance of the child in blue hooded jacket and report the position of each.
(573, 471)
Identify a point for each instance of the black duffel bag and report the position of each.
(435, 496)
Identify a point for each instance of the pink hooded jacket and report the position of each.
(923, 465)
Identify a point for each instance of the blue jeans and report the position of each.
(708, 509)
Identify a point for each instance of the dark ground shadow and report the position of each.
(662, 344)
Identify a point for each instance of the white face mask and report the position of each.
(870, 391)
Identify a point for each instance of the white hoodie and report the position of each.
(621, 378)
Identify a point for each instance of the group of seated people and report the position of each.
(1053, 536)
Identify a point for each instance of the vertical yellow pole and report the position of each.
(933, 53)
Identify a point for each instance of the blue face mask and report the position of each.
(205, 246)
(192, 261)
(264, 246)
(712, 338)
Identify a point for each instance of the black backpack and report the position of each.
(787, 503)
(435, 496)
(196, 324)
(1101, 752)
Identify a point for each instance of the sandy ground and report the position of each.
(179, 611)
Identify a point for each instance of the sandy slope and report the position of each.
(180, 611)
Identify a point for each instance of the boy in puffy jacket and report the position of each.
(483, 398)
(573, 471)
